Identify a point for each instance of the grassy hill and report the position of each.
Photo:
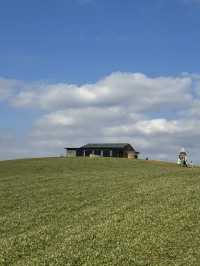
(98, 212)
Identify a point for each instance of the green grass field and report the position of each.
(98, 212)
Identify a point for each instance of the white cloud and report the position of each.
(158, 115)
(122, 89)
(7, 88)
(147, 127)
(156, 126)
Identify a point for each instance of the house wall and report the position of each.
(118, 153)
(132, 155)
(71, 153)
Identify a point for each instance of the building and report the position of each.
(118, 150)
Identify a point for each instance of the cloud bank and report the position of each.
(157, 115)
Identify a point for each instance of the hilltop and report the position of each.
(96, 211)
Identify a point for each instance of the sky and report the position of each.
(79, 71)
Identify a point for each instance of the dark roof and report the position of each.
(106, 145)
(71, 149)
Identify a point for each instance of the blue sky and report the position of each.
(47, 45)
(80, 41)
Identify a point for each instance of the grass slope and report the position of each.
(98, 212)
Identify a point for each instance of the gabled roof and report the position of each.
(106, 145)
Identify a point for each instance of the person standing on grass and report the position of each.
(179, 161)
(184, 163)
